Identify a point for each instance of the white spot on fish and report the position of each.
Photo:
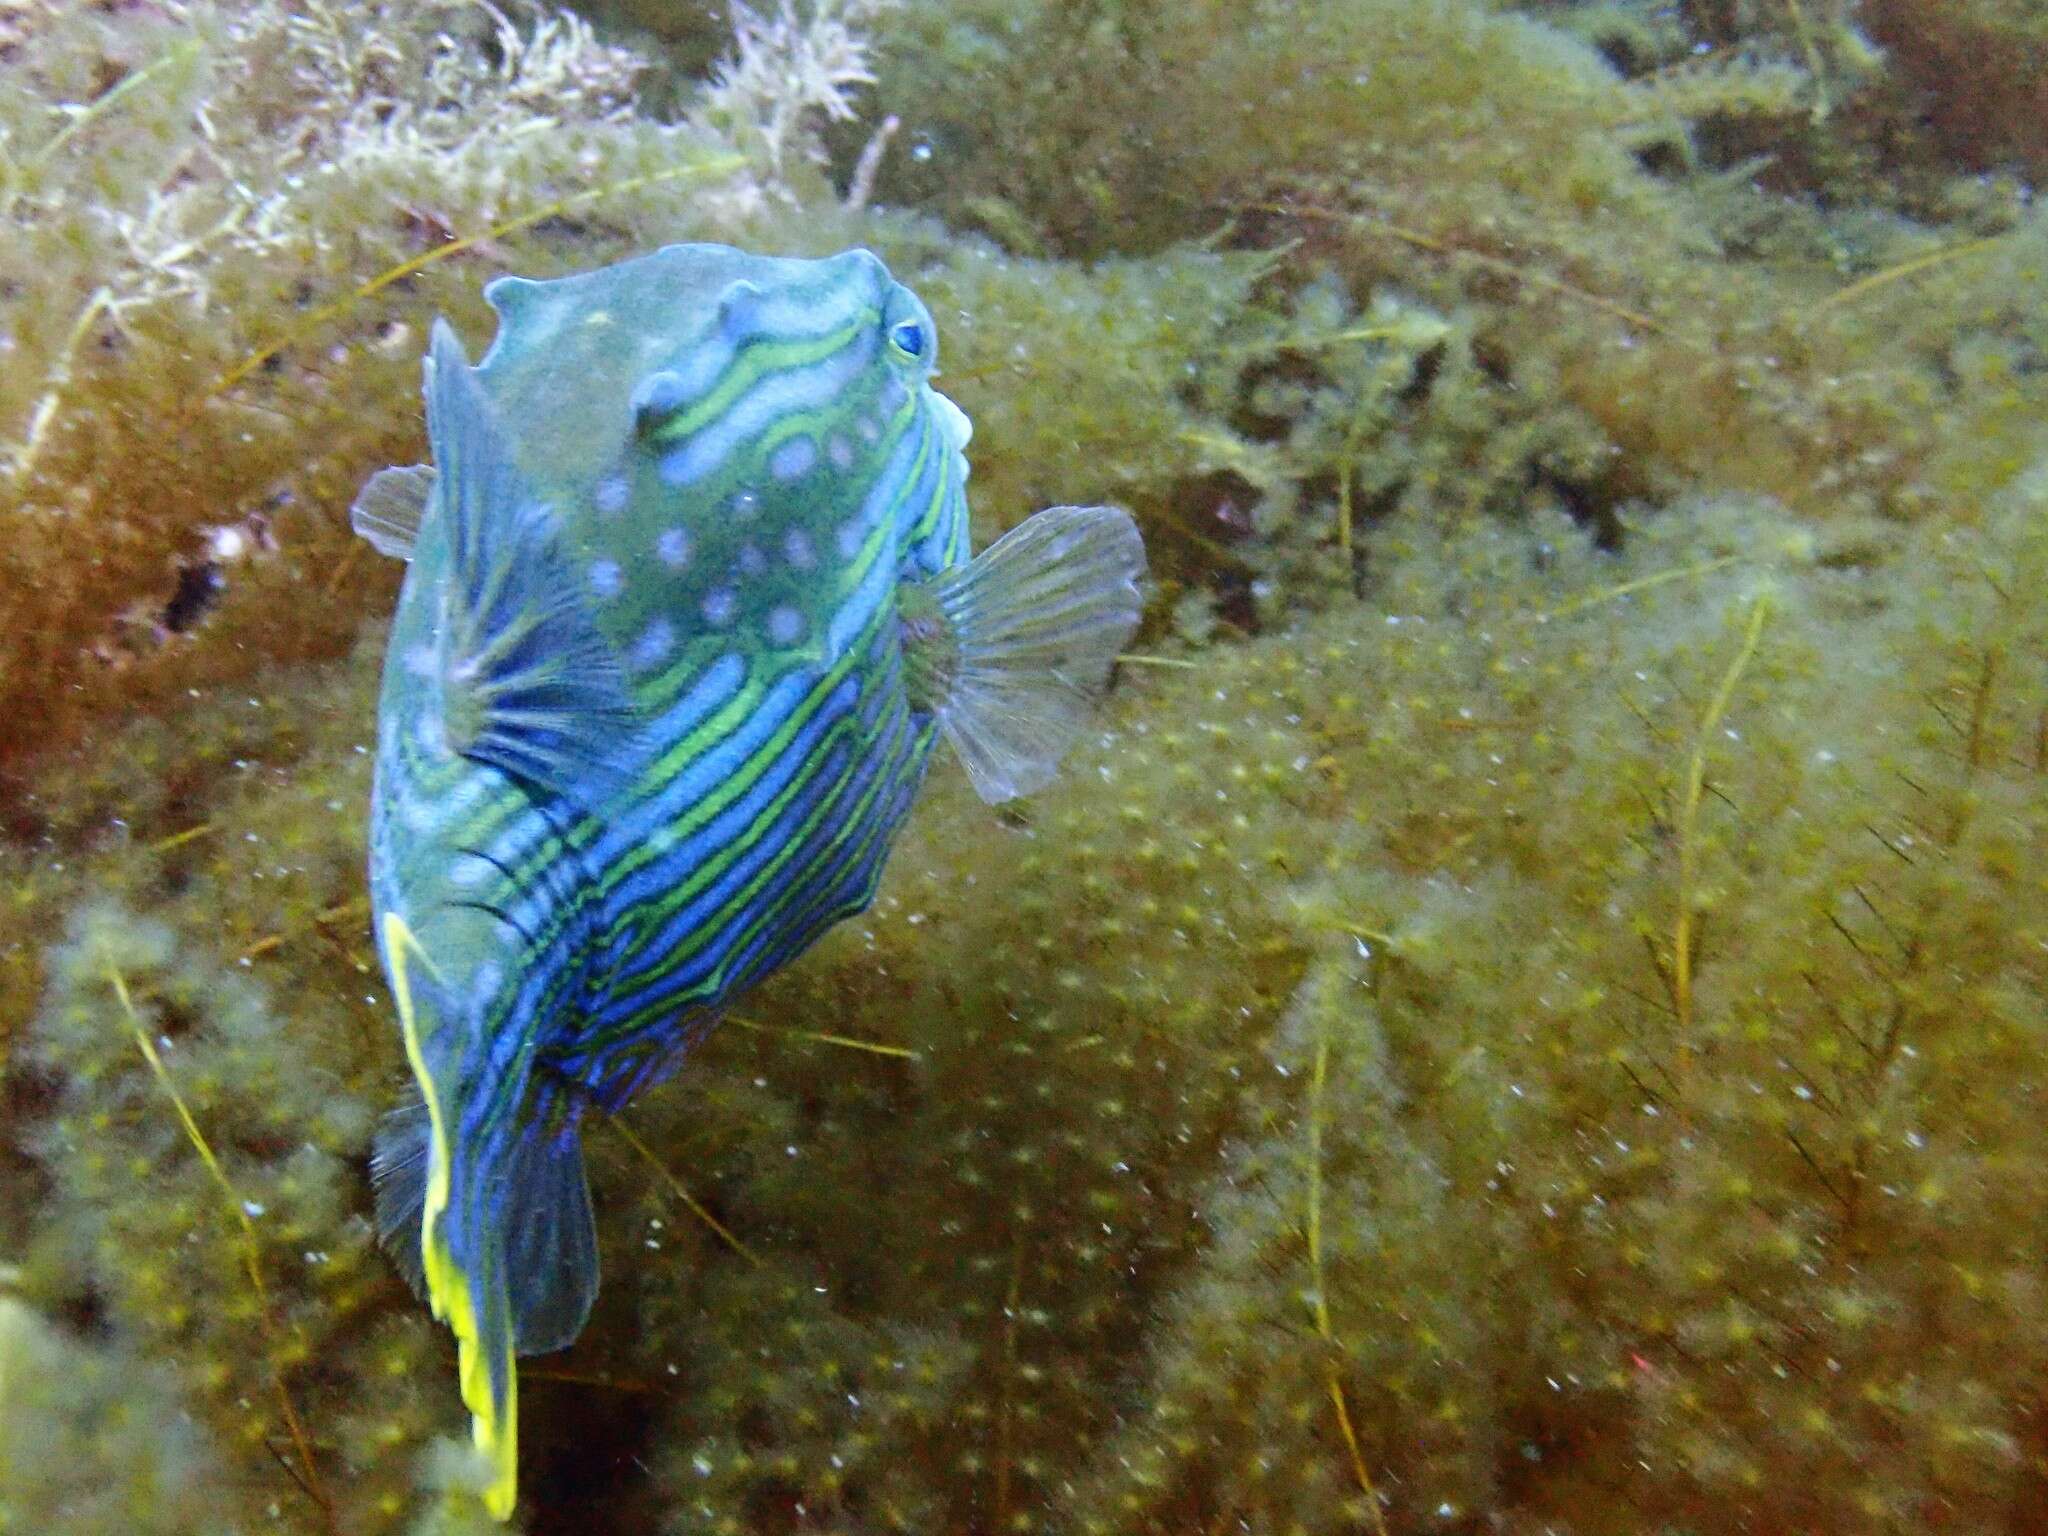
(720, 604)
(485, 980)
(606, 579)
(746, 504)
(674, 548)
(840, 452)
(798, 551)
(420, 816)
(423, 815)
(610, 495)
(678, 467)
(785, 625)
(432, 733)
(751, 561)
(793, 458)
(656, 641)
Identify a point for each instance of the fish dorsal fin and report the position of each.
(390, 507)
(1019, 649)
(529, 684)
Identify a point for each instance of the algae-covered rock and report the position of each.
(92, 1441)
(197, 205)
(1527, 1014)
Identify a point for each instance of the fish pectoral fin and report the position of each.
(1020, 648)
(530, 686)
(390, 507)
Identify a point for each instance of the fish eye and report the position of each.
(907, 337)
(909, 340)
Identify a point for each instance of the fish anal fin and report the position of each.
(1014, 648)
(530, 684)
(398, 1177)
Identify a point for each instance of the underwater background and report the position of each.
(1527, 1015)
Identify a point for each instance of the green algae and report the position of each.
(93, 1440)
(1531, 1019)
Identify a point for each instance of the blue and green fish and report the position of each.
(690, 602)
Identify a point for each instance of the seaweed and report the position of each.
(1528, 1013)
(93, 1440)
(206, 199)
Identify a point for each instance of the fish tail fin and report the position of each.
(548, 1232)
(460, 1253)
(1020, 647)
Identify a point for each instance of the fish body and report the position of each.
(689, 604)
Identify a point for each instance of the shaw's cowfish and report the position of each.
(689, 601)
